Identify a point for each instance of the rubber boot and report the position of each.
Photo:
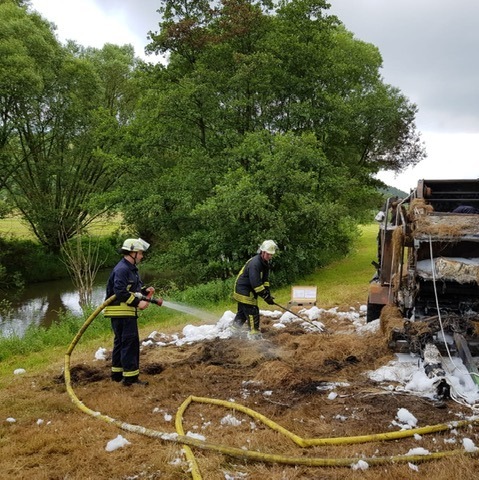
(236, 330)
(129, 381)
(117, 376)
(255, 335)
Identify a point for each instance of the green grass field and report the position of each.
(344, 282)
(16, 227)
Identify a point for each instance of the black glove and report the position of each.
(268, 298)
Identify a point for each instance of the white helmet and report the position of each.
(268, 246)
(135, 245)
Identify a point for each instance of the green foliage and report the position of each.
(204, 295)
(62, 167)
(264, 124)
(29, 261)
(5, 208)
(281, 195)
(27, 48)
(5, 305)
(64, 114)
(107, 248)
(24, 261)
(286, 191)
(104, 249)
(269, 121)
(7, 282)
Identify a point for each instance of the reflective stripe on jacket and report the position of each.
(252, 280)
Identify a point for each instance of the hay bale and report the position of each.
(419, 208)
(391, 319)
(276, 374)
(449, 226)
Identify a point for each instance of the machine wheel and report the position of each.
(374, 311)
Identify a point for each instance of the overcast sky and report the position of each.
(429, 50)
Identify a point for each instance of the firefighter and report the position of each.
(124, 282)
(252, 281)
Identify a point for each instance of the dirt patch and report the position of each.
(287, 378)
(84, 374)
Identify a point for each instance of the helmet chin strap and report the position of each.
(134, 257)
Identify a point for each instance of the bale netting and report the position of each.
(391, 320)
(458, 271)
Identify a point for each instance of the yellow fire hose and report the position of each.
(187, 441)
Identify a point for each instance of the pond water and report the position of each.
(40, 303)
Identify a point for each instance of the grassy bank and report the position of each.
(345, 282)
(24, 261)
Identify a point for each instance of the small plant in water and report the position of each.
(6, 308)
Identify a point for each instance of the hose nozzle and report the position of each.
(156, 301)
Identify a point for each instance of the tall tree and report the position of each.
(63, 134)
(29, 56)
(291, 194)
(244, 72)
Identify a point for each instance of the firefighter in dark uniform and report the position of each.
(252, 281)
(124, 282)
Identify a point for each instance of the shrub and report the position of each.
(25, 262)
(206, 294)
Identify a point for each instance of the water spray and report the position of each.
(196, 312)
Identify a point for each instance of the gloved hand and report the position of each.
(268, 298)
(148, 292)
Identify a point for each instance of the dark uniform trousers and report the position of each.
(126, 346)
(249, 313)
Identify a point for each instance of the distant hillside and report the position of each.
(393, 192)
